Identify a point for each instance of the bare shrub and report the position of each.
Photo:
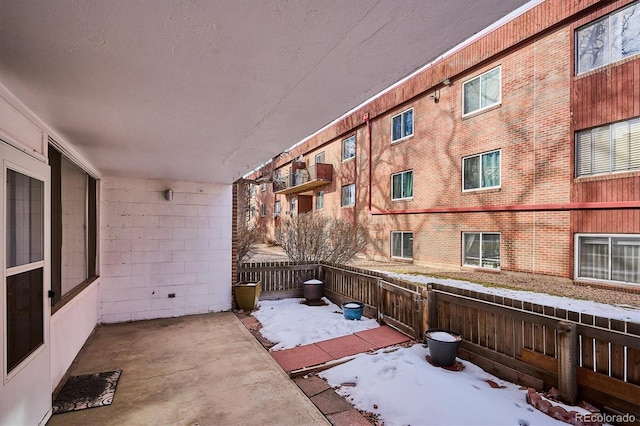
(312, 237)
(248, 238)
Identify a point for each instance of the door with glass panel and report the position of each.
(25, 392)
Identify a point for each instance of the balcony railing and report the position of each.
(304, 179)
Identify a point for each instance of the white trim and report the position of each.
(481, 108)
(391, 185)
(499, 150)
(481, 258)
(413, 122)
(355, 141)
(576, 257)
(402, 246)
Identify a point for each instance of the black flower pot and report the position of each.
(443, 346)
(313, 290)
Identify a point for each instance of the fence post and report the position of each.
(567, 361)
(429, 313)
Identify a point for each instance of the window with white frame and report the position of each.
(481, 171)
(348, 195)
(402, 244)
(292, 205)
(263, 210)
(320, 158)
(402, 125)
(319, 200)
(481, 249)
(608, 149)
(613, 258)
(349, 148)
(609, 39)
(482, 92)
(402, 185)
(276, 208)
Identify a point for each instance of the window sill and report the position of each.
(73, 293)
(481, 190)
(481, 111)
(402, 259)
(607, 285)
(346, 160)
(406, 138)
(480, 269)
(608, 176)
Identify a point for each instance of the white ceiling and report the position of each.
(207, 90)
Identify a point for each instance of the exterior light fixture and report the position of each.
(168, 195)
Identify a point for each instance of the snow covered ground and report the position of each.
(289, 323)
(399, 384)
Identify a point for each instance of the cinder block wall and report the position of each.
(151, 248)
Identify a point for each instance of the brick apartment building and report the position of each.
(519, 150)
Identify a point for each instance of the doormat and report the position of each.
(87, 391)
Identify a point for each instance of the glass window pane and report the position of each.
(25, 219)
(601, 149)
(472, 95)
(396, 244)
(74, 226)
(491, 169)
(594, 257)
(583, 153)
(396, 127)
(592, 44)
(471, 249)
(471, 167)
(490, 88)
(491, 250)
(407, 184)
(25, 315)
(408, 123)
(407, 245)
(396, 186)
(625, 260)
(625, 33)
(634, 144)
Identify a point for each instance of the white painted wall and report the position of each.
(151, 247)
(70, 328)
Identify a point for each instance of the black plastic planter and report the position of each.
(313, 290)
(443, 346)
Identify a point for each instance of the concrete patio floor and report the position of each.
(196, 370)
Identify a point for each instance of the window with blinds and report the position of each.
(608, 149)
(614, 258)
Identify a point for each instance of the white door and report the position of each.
(25, 388)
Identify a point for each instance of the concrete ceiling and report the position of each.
(207, 90)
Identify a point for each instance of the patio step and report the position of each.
(333, 349)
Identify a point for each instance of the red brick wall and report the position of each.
(542, 105)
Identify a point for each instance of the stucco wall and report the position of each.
(151, 247)
(70, 328)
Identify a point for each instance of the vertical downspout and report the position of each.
(368, 120)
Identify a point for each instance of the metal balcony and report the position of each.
(304, 179)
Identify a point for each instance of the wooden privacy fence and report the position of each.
(586, 357)
(583, 361)
(278, 279)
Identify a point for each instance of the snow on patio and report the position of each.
(290, 323)
(398, 384)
